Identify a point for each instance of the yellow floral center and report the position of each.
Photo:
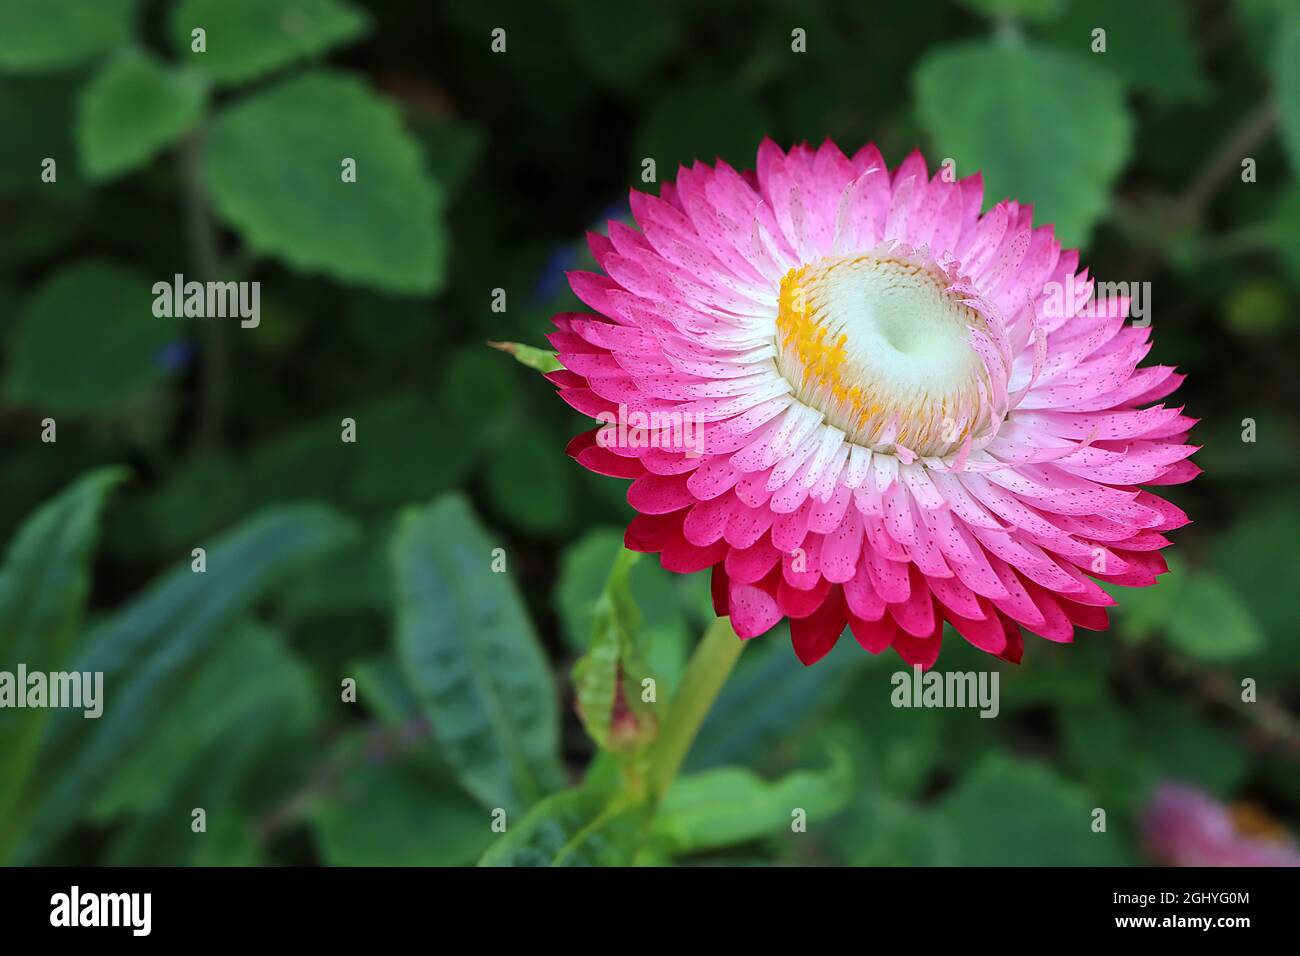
(882, 348)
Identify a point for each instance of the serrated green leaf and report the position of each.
(145, 648)
(1211, 622)
(246, 39)
(471, 657)
(89, 301)
(1149, 46)
(1286, 74)
(1044, 128)
(43, 588)
(57, 34)
(274, 169)
(397, 813)
(730, 805)
(131, 110)
(573, 828)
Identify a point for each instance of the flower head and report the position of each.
(863, 403)
(1183, 827)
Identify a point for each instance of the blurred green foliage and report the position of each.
(372, 561)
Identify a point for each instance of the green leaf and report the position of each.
(1102, 747)
(200, 495)
(1257, 23)
(596, 685)
(574, 828)
(1187, 746)
(404, 450)
(397, 813)
(43, 588)
(1280, 229)
(247, 39)
(1009, 812)
(769, 695)
(453, 149)
(543, 360)
(1149, 46)
(538, 498)
(387, 470)
(621, 44)
(44, 108)
(1256, 556)
(472, 659)
(88, 301)
(383, 691)
(1044, 128)
(354, 578)
(133, 109)
(1032, 10)
(248, 672)
(145, 648)
(1123, 754)
(584, 568)
(246, 694)
(274, 166)
(1211, 622)
(730, 805)
(57, 34)
(1286, 75)
(476, 390)
(881, 830)
(614, 664)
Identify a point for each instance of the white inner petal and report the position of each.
(883, 350)
(900, 324)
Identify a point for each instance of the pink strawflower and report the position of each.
(909, 413)
(1184, 827)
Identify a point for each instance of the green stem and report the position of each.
(213, 334)
(707, 671)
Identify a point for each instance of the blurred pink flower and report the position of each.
(1182, 826)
